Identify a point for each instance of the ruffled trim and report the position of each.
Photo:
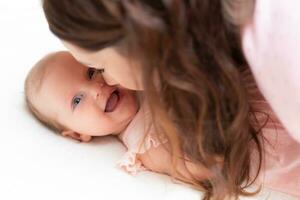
(152, 140)
(130, 163)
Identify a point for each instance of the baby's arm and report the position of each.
(158, 159)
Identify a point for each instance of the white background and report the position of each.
(39, 165)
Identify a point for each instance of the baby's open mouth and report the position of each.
(112, 101)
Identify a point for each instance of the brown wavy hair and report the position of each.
(192, 62)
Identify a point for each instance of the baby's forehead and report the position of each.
(65, 71)
(63, 63)
(60, 60)
(60, 78)
(60, 68)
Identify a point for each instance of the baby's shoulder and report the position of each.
(141, 135)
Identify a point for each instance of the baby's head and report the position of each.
(75, 100)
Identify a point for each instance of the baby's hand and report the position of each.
(77, 136)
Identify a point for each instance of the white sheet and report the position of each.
(37, 164)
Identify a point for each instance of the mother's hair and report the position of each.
(192, 60)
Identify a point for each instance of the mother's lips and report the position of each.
(112, 101)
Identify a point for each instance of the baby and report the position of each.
(75, 101)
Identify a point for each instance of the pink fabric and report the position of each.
(281, 169)
(271, 43)
(138, 137)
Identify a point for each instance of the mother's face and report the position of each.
(117, 68)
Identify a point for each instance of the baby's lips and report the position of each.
(112, 102)
(107, 91)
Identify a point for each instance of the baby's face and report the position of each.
(78, 98)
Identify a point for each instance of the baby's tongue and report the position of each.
(112, 102)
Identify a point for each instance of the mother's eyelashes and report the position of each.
(91, 72)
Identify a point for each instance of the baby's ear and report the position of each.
(77, 136)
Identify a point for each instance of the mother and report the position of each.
(187, 57)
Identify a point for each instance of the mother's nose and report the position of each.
(109, 80)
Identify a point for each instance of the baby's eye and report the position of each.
(90, 73)
(76, 100)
